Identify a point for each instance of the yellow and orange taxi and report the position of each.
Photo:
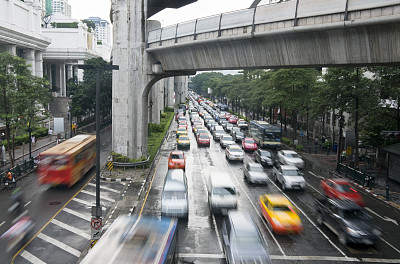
(176, 160)
(280, 214)
(183, 141)
(181, 131)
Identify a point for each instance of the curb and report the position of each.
(115, 179)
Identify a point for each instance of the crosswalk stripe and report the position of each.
(83, 202)
(101, 197)
(31, 258)
(60, 244)
(105, 188)
(72, 229)
(83, 216)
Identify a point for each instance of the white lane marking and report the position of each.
(105, 188)
(27, 203)
(213, 217)
(315, 258)
(380, 260)
(59, 245)
(72, 229)
(390, 245)
(256, 210)
(2, 223)
(82, 202)
(31, 258)
(84, 217)
(382, 217)
(338, 249)
(197, 255)
(309, 185)
(101, 197)
(319, 177)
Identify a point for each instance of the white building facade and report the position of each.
(61, 6)
(103, 32)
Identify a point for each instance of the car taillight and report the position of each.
(352, 189)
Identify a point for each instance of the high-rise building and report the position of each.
(60, 6)
(103, 30)
(46, 7)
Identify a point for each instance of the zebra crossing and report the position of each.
(67, 235)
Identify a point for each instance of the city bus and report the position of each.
(66, 163)
(133, 239)
(265, 134)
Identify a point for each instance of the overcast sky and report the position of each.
(82, 9)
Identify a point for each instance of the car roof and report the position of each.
(248, 138)
(253, 164)
(234, 147)
(242, 222)
(289, 167)
(340, 181)
(289, 151)
(176, 152)
(277, 199)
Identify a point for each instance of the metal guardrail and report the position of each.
(134, 164)
(20, 169)
(365, 179)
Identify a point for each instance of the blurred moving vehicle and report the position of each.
(266, 135)
(265, 157)
(183, 142)
(234, 152)
(242, 240)
(290, 157)
(290, 177)
(280, 214)
(174, 198)
(19, 232)
(249, 144)
(136, 239)
(176, 160)
(203, 139)
(222, 194)
(66, 163)
(348, 221)
(338, 188)
(226, 140)
(254, 173)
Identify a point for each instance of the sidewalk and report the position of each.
(324, 163)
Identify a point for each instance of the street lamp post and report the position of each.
(339, 151)
(151, 111)
(96, 210)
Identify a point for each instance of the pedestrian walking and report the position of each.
(33, 139)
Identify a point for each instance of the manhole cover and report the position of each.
(55, 203)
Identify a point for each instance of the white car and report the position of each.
(290, 157)
(254, 173)
(226, 140)
(234, 152)
(290, 177)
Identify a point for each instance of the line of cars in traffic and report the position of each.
(340, 209)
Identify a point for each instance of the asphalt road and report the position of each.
(200, 235)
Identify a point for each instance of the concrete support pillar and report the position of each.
(12, 49)
(130, 105)
(70, 71)
(80, 72)
(170, 89)
(63, 87)
(50, 74)
(58, 80)
(31, 60)
(39, 64)
(157, 98)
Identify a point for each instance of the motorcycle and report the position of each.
(19, 232)
(9, 184)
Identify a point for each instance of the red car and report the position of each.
(232, 119)
(176, 160)
(203, 139)
(227, 115)
(338, 188)
(249, 144)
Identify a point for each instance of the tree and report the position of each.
(21, 96)
(90, 24)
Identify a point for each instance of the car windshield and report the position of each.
(174, 195)
(229, 125)
(203, 136)
(265, 153)
(282, 208)
(249, 141)
(224, 191)
(176, 156)
(291, 173)
(345, 188)
(220, 131)
(239, 134)
(269, 137)
(183, 138)
(181, 129)
(227, 138)
(244, 240)
(292, 155)
(353, 214)
(256, 168)
(235, 150)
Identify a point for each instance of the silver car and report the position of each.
(290, 157)
(174, 199)
(254, 173)
(226, 140)
(290, 177)
(234, 152)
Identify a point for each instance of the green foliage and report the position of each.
(299, 147)
(155, 128)
(168, 109)
(90, 24)
(163, 115)
(286, 141)
(64, 25)
(117, 157)
(155, 138)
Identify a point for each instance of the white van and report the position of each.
(222, 194)
(174, 199)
